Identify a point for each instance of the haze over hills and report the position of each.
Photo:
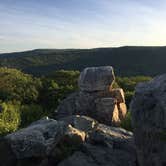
(127, 61)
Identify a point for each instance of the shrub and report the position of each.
(15, 85)
(126, 123)
(9, 117)
(66, 77)
(30, 113)
(128, 97)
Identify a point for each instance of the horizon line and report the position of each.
(37, 49)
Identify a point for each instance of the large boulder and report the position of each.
(78, 159)
(148, 109)
(103, 109)
(49, 142)
(37, 139)
(96, 78)
(105, 146)
(38, 143)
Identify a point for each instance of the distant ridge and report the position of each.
(127, 60)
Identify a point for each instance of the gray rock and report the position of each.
(96, 78)
(148, 110)
(108, 135)
(107, 111)
(106, 146)
(82, 123)
(68, 144)
(96, 98)
(78, 103)
(94, 105)
(78, 159)
(106, 156)
(49, 142)
(41, 140)
(7, 157)
(35, 140)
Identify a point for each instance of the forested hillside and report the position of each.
(127, 61)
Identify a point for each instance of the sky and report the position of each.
(33, 24)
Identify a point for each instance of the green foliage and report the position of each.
(56, 87)
(66, 77)
(9, 117)
(162, 136)
(30, 113)
(128, 97)
(115, 85)
(129, 83)
(126, 123)
(15, 85)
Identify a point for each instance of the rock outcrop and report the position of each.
(149, 122)
(96, 98)
(96, 78)
(49, 142)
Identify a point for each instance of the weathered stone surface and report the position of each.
(78, 159)
(67, 107)
(103, 109)
(69, 142)
(82, 123)
(105, 146)
(118, 94)
(35, 140)
(107, 111)
(34, 144)
(96, 78)
(73, 136)
(7, 157)
(148, 110)
(78, 103)
(49, 142)
(110, 136)
(122, 109)
(96, 98)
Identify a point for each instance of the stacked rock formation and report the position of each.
(74, 141)
(149, 122)
(96, 97)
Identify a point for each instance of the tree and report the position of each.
(15, 85)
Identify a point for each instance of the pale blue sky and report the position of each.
(31, 24)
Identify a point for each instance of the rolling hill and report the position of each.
(127, 61)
